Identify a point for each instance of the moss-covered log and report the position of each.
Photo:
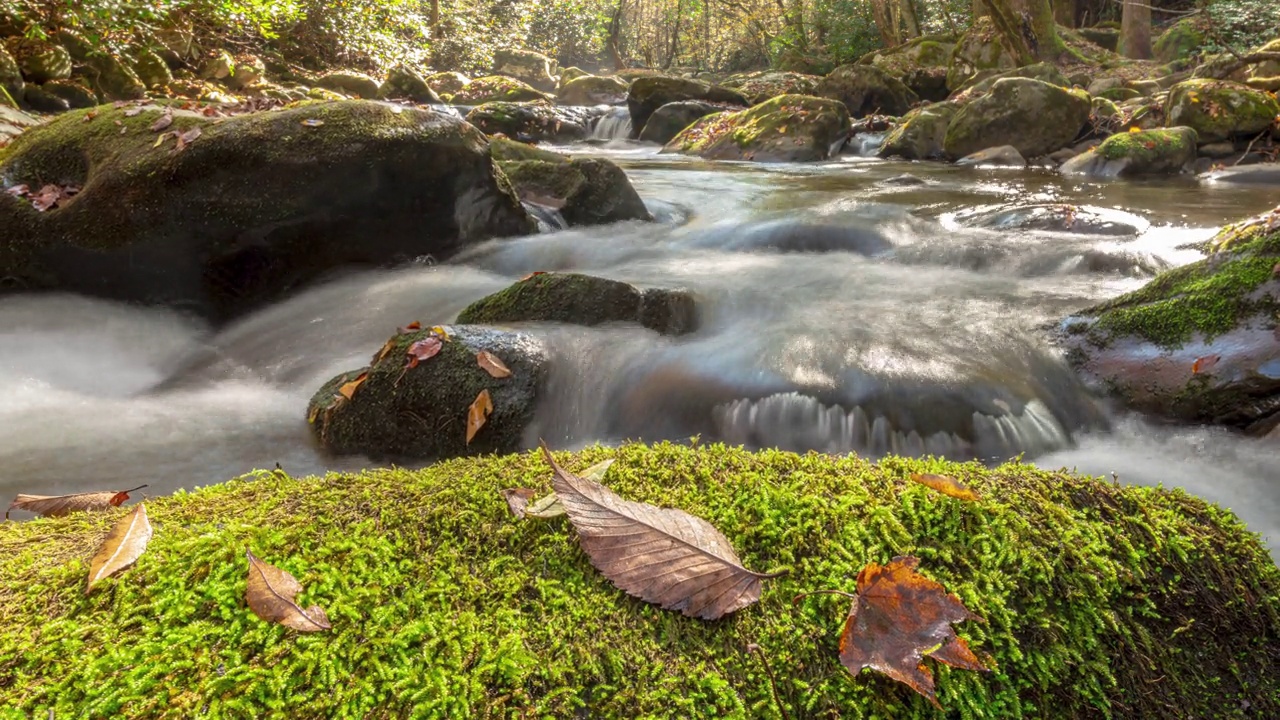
(1099, 600)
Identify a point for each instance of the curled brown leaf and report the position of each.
(121, 548)
(478, 414)
(270, 592)
(60, 505)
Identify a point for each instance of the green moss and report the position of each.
(1219, 110)
(1182, 40)
(557, 297)
(494, 88)
(1147, 145)
(1206, 298)
(786, 128)
(445, 606)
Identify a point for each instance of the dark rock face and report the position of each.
(866, 90)
(586, 191)
(585, 300)
(668, 120)
(251, 207)
(647, 94)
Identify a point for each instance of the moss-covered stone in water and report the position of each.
(591, 90)
(587, 191)
(531, 121)
(920, 134)
(757, 87)
(496, 88)
(1147, 145)
(584, 300)
(788, 128)
(1219, 110)
(444, 606)
(867, 90)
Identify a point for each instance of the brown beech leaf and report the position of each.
(518, 499)
(385, 351)
(121, 548)
(270, 594)
(492, 364)
(478, 413)
(1204, 364)
(946, 485)
(186, 138)
(348, 390)
(164, 121)
(899, 617)
(549, 506)
(425, 349)
(60, 505)
(661, 555)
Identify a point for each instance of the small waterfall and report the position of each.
(866, 144)
(549, 219)
(613, 125)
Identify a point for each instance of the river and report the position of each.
(844, 307)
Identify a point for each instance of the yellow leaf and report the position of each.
(946, 485)
(1134, 129)
(349, 389)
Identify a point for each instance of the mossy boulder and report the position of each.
(249, 71)
(443, 605)
(585, 300)
(111, 78)
(10, 74)
(979, 52)
(1197, 343)
(527, 122)
(649, 93)
(867, 90)
(37, 99)
(1219, 109)
(495, 88)
(789, 128)
(151, 69)
(1127, 154)
(1182, 40)
(447, 82)
(39, 60)
(255, 206)
(760, 86)
(404, 83)
(592, 90)
(569, 74)
(420, 413)
(1044, 72)
(350, 83)
(668, 120)
(586, 191)
(1119, 94)
(1107, 38)
(920, 133)
(1035, 117)
(532, 68)
(921, 64)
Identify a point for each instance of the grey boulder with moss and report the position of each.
(420, 413)
(760, 86)
(585, 300)
(867, 90)
(10, 74)
(1033, 116)
(1198, 343)
(1149, 152)
(980, 52)
(920, 134)
(921, 64)
(496, 88)
(585, 191)
(529, 121)
(647, 94)
(667, 121)
(255, 206)
(1219, 110)
(788, 128)
(403, 83)
(349, 82)
(592, 90)
(447, 83)
(527, 66)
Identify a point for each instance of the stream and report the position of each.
(844, 306)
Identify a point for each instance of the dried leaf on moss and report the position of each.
(270, 593)
(946, 485)
(121, 548)
(59, 505)
(348, 390)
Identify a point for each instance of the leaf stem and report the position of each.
(773, 684)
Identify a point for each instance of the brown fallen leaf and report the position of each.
(348, 390)
(411, 327)
(121, 548)
(518, 499)
(133, 111)
(549, 506)
(1204, 364)
(60, 505)
(661, 555)
(946, 485)
(270, 593)
(89, 116)
(425, 349)
(186, 138)
(900, 616)
(492, 365)
(19, 190)
(533, 274)
(385, 351)
(478, 413)
(164, 121)
(46, 197)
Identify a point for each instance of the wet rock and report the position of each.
(592, 90)
(527, 122)
(1062, 218)
(867, 90)
(789, 128)
(447, 83)
(350, 83)
(420, 413)
(979, 51)
(1150, 152)
(903, 180)
(569, 74)
(920, 135)
(531, 68)
(921, 65)
(495, 88)
(649, 93)
(1002, 156)
(253, 207)
(1266, 174)
(39, 60)
(1033, 116)
(151, 69)
(586, 191)
(585, 300)
(668, 120)
(403, 83)
(1219, 110)
(1218, 150)
(760, 86)
(1198, 343)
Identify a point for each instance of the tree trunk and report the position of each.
(1009, 24)
(1135, 30)
(884, 22)
(615, 32)
(1033, 20)
(436, 31)
(910, 20)
(980, 9)
(1064, 11)
(675, 36)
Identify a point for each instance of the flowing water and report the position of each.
(845, 306)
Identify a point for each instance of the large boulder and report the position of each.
(920, 133)
(586, 191)
(420, 412)
(532, 68)
(592, 90)
(867, 90)
(447, 83)
(10, 74)
(528, 122)
(760, 86)
(152, 70)
(668, 120)
(404, 83)
(789, 128)
(349, 82)
(1182, 40)
(649, 93)
(251, 207)
(1219, 110)
(980, 52)
(1044, 72)
(584, 300)
(1198, 343)
(493, 88)
(920, 64)
(40, 60)
(1033, 116)
(569, 74)
(1148, 152)
(1107, 38)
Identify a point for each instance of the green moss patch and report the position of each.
(788, 128)
(1148, 145)
(444, 606)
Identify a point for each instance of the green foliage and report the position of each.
(1240, 24)
(444, 606)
